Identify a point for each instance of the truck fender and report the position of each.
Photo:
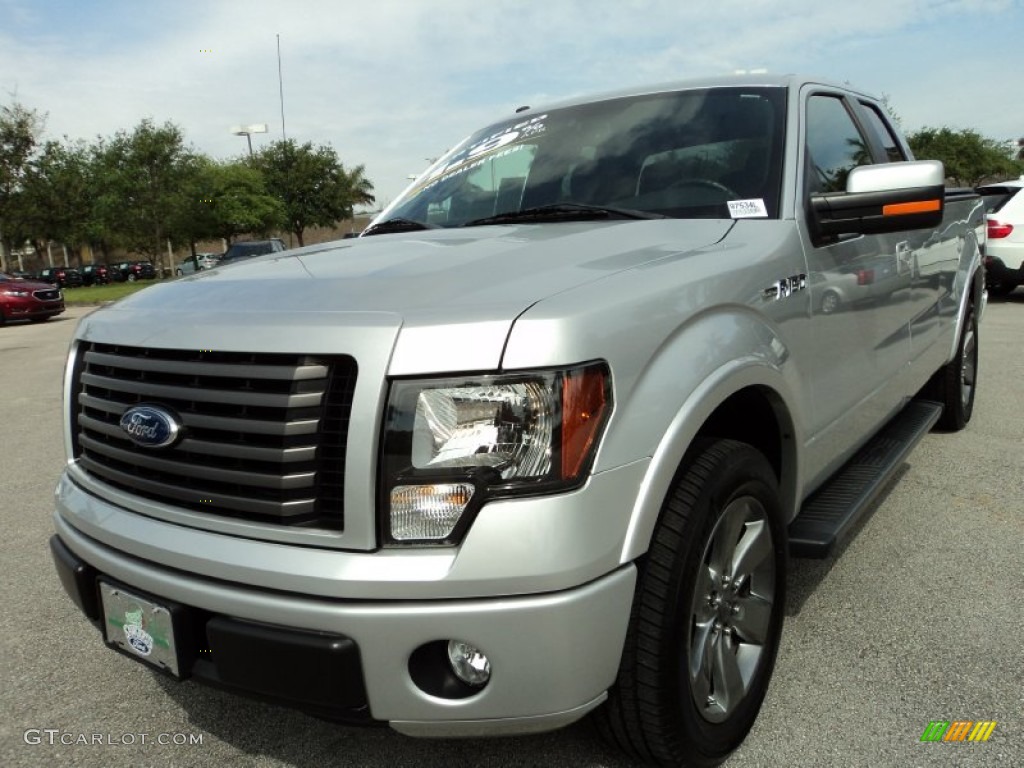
(714, 357)
(969, 281)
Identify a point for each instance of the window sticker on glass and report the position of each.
(748, 209)
(473, 156)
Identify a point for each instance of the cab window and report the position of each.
(834, 144)
(883, 133)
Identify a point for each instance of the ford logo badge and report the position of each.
(150, 426)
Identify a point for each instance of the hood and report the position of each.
(480, 273)
(30, 285)
(402, 304)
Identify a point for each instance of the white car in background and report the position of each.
(1004, 247)
(204, 261)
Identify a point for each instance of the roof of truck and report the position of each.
(738, 80)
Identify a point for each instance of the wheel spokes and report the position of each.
(728, 687)
(706, 593)
(701, 654)
(732, 608)
(753, 552)
(726, 537)
(753, 620)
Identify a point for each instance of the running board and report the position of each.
(835, 508)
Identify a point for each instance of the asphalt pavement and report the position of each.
(920, 617)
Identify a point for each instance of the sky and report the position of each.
(391, 84)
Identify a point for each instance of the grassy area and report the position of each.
(97, 294)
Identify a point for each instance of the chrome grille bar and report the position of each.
(263, 436)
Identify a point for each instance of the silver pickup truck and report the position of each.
(540, 442)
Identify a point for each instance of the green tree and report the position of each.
(969, 157)
(313, 185)
(225, 199)
(140, 179)
(20, 129)
(57, 194)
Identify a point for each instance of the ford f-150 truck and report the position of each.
(540, 441)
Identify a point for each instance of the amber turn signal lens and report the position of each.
(584, 399)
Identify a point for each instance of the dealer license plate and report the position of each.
(140, 627)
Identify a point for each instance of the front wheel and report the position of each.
(707, 614)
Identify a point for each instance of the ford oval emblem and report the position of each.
(150, 426)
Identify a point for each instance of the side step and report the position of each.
(835, 507)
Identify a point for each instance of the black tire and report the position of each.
(1002, 289)
(661, 709)
(956, 383)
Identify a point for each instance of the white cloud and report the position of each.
(390, 83)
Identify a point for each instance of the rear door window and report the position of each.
(883, 132)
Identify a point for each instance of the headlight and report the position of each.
(20, 294)
(450, 444)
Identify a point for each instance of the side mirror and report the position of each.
(889, 197)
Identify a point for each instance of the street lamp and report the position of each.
(248, 131)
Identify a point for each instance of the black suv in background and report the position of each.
(250, 248)
(133, 270)
(63, 277)
(95, 274)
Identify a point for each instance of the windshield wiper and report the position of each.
(564, 212)
(397, 225)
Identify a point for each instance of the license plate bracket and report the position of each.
(145, 628)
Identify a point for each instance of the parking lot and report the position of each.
(919, 618)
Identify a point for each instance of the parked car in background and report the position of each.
(202, 261)
(133, 270)
(20, 275)
(95, 274)
(63, 277)
(1004, 248)
(22, 299)
(251, 248)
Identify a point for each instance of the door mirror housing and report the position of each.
(888, 197)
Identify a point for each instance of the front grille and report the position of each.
(49, 294)
(263, 435)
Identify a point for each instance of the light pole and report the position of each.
(248, 131)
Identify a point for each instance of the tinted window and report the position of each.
(834, 145)
(684, 154)
(883, 133)
(996, 197)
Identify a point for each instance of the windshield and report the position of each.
(706, 153)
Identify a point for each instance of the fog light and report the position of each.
(468, 663)
(425, 512)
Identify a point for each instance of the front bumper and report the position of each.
(998, 271)
(27, 309)
(553, 655)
